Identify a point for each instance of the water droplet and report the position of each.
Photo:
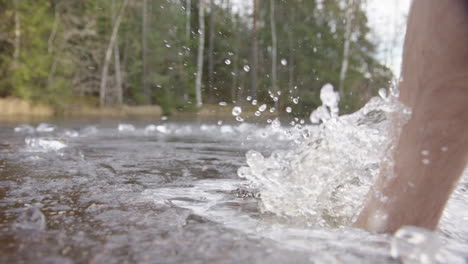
(222, 103)
(254, 102)
(284, 62)
(236, 110)
(220, 122)
(164, 118)
(272, 109)
(426, 161)
(258, 113)
(246, 68)
(295, 100)
(288, 109)
(425, 152)
(227, 61)
(249, 98)
(383, 93)
(168, 45)
(231, 53)
(240, 119)
(444, 149)
(262, 108)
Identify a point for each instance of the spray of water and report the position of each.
(324, 180)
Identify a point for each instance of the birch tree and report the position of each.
(188, 11)
(144, 53)
(118, 75)
(201, 46)
(17, 41)
(235, 77)
(274, 50)
(211, 51)
(105, 68)
(349, 16)
(254, 73)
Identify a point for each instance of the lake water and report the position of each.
(170, 192)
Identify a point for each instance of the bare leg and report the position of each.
(432, 150)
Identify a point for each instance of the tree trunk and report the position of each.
(201, 46)
(348, 31)
(17, 41)
(188, 27)
(274, 50)
(291, 51)
(105, 68)
(50, 42)
(254, 50)
(118, 76)
(210, 54)
(51, 46)
(235, 77)
(144, 41)
(291, 61)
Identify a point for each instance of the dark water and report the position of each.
(89, 193)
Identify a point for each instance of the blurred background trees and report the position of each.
(276, 52)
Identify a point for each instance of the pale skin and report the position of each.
(432, 149)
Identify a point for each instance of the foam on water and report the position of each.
(44, 144)
(45, 127)
(324, 180)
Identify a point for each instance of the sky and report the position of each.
(387, 19)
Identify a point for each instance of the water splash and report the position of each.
(44, 144)
(236, 110)
(324, 180)
(44, 127)
(24, 128)
(412, 244)
(126, 128)
(329, 108)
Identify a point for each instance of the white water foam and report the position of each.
(44, 144)
(324, 180)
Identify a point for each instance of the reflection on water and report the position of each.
(168, 192)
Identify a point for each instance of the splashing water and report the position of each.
(324, 180)
(236, 110)
(329, 108)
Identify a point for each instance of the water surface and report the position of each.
(122, 192)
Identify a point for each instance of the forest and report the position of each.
(186, 54)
